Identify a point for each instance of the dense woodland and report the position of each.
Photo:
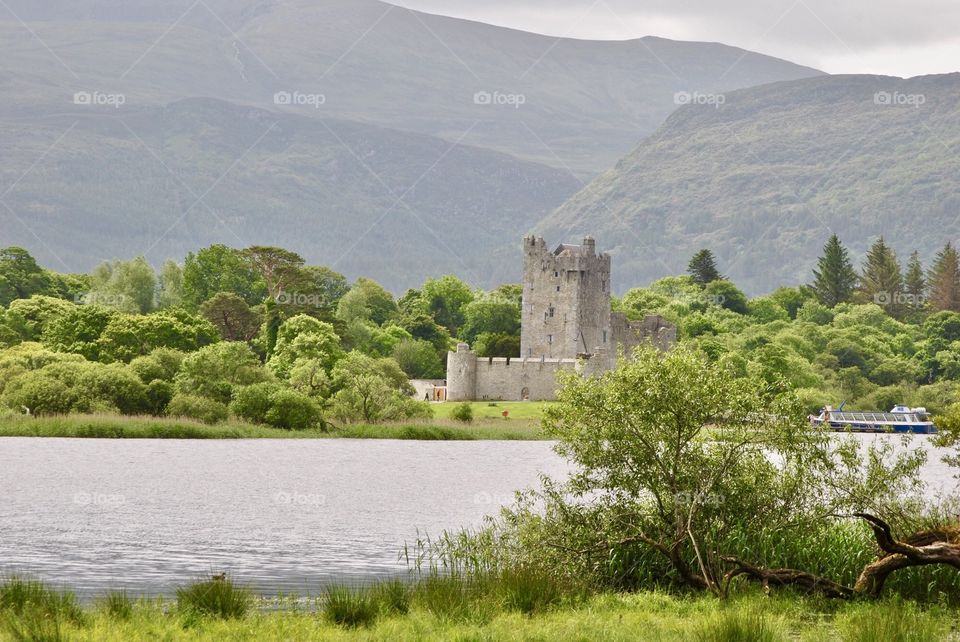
(259, 335)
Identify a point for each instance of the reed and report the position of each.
(218, 598)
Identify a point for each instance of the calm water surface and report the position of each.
(281, 515)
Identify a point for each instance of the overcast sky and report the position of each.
(894, 37)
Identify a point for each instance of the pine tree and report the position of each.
(834, 280)
(943, 282)
(915, 285)
(881, 280)
(703, 268)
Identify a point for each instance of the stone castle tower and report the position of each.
(566, 300)
(566, 325)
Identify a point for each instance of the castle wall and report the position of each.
(519, 379)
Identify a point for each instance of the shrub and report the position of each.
(219, 598)
(463, 412)
(199, 408)
(274, 405)
(349, 607)
(159, 394)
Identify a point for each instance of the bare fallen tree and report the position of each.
(935, 546)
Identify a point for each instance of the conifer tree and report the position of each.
(834, 280)
(703, 268)
(943, 282)
(915, 285)
(881, 280)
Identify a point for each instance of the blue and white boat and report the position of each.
(901, 419)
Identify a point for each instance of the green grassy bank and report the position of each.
(120, 427)
(398, 613)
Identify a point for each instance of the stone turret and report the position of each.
(462, 374)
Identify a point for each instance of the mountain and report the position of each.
(484, 130)
(765, 177)
(579, 104)
(161, 181)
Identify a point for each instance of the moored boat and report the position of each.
(902, 419)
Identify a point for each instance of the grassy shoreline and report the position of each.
(121, 427)
(433, 615)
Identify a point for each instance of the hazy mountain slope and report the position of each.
(123, 184)
(586, 102)
(766, 177)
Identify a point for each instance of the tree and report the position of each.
(129, 336)
(367, 301)
(373, 390)
(492, 316)
(915, 285)
(834, 280)
(216, 269)
(304, 338)
(20, 276)
(881, 280)
(128, 286)
(277, 406)
(445, 299)
(703, 268)
(727, 295)
(217, 370)
(78, 330)
(418, 359)
(232, 316)
(170, 286)
(277, 267)
(944, 280)
(30, 317)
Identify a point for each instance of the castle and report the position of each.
(566, 324)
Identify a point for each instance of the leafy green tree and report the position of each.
(703, 268)
(219, 268)
(727, 295)
(162, 364)
(493, 344)
(78, 330)
(278, 268)
(418, 359)
(216, 371)
(277, 406)
(367, 301)
(834, 280)
(170, 286)
(232, 316)
(445, 299)
(944, 280)
(373, 390)
(129, 286)
(492, 316)
(20, 276)
(304, 338)
(423, 326)
(129, 336)
(881, 280)
(30, 317)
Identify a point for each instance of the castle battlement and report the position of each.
(566, 324)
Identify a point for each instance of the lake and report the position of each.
(279, 515)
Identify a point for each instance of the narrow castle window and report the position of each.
(550, 339)
(604, 336)
(558, 288)
(556, 274)
(551, 311)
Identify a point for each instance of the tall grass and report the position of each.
(891, 621)
(219, 598)
(736, 625)
(116, 604)
(351, 607)
(21, 596)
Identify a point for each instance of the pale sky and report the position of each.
(891, 37)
